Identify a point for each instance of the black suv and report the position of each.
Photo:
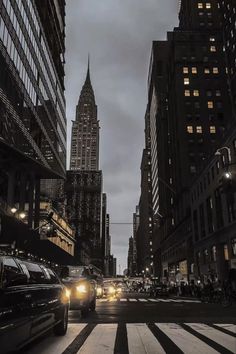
(32, 300)
(81, 283)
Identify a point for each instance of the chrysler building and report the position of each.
(85, 131)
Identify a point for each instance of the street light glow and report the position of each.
(13, 210)
(22, 215)
(228, 175)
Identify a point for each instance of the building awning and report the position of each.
(14, 231)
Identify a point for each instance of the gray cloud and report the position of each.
(118, 35)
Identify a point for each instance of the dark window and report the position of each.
(53, 276)
(202, 220)
(195, 225)
(209, 208)
(11, 272)
(35, 272)
(219, 209)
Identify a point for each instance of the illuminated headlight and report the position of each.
(81, 289)
(66, 296)
(111, 290)
(67, 293)
(99, 291)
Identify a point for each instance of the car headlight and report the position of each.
(81, 289)
(66, 296)
(67, 293)
(111, 290)
(99, 291)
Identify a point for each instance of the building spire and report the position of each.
(88, 70)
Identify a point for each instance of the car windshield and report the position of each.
(76, 272)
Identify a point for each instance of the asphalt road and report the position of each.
(137, 324)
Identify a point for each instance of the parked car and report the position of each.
(32, 300)
(81, 283)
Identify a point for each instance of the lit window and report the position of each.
(199, 129)
(200, 5)
(190, 129)
(234, 246)
(212, 129)
(215, 71)
(194, 70)
(208, 5)
(195, 92)
(186, 81)
(212, 48)
(226, 252)
(185, 70)
(210, 104)
(206, 71)
(187, 93)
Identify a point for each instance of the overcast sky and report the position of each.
(118, 34)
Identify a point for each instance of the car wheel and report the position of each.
(85, 312)
(61, 328)
(93, 305)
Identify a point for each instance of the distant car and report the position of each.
(81, 284)
(32, 300)
(109, 288)
(159, 289)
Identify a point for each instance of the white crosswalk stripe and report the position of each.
(148, 300)
(223, 339)
(141, 338)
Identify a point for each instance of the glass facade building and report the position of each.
(32, 102)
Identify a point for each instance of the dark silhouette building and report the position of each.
(83, 192)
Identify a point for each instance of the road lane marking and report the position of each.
(141, 340)
(102, 300)
(217, 336)
(112, 300)
(142, 300)
(101, 340)
(228, 326)
(185, 341)
(123, 300)
(133, 300)
(54, 344)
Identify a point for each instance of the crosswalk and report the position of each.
(143, 300)
(141, 338)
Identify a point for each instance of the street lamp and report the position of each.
(13, 210)
(219, 153)
(22, 215)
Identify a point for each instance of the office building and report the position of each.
(32, 108)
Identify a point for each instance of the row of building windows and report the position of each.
(207, 256)
(199, 130)
(194, 70)
(202, 5)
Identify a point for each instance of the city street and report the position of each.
(136, 324)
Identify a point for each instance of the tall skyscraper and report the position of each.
(85, 131)
(190, 115)
(84, 180)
